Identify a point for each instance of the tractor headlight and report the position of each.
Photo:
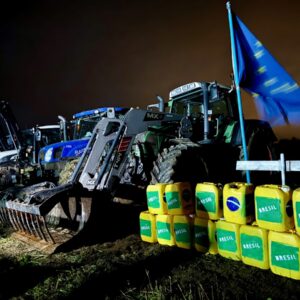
(8, 158)
(48, 154)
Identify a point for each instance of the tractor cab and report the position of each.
(206, 107)
(37, 137)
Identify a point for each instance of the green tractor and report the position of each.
(209, 140)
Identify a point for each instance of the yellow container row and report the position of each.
(260, 247)
(253, 245)
(273, 207)
(179, 230)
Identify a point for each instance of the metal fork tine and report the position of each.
(2, 216)
(25, 223)
(6, 215)
(32, 225)
(33, 222)
(39, 226)
(47, 230)
(31, 228)
(18, 220)
(11, 219)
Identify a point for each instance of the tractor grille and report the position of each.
(57, 153)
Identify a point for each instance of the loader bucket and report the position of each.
(44, 215)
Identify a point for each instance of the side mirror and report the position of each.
(111, 113)
(38, 135)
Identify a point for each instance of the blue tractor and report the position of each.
(54, 158)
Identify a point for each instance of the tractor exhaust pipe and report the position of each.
(63, 127)
(205, 107)
(161, 103)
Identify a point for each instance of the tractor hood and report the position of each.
(61, 151)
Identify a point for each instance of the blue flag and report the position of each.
(276, 93)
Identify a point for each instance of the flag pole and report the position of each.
(237, 86)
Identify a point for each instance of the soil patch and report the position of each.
(128, 268)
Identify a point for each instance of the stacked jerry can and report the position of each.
(274, 212)
(174, 218)
(148, 227)
(258, 225)
(180, 208)
(254, 246)
(273, 207)
(209, 209)
(148, 219)
(171, 207)
(238, 206)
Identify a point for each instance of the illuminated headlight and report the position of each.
(48, 154)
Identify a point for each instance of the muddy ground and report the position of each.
(118, 265)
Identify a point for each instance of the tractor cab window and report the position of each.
(219, 108)
(6, 138)
(193, 109)
(84, 127)
(50, 136)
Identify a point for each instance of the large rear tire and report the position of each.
(179, 163)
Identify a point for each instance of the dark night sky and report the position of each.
(61, 57)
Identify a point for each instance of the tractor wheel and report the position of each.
(179, 163)
(260, 147)
(67, 171)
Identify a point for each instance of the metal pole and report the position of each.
(237, 86)
(282, 168)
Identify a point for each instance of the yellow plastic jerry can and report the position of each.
(183, 231)
(238, 202)
(156, 198)
(180, 199)
(284, 254)
(273, 207)
(254, 246)
(148, 227)
(296, 209)
(201, 236)
(212, 237)
(208, 200)
(165, 230)
(228, 239)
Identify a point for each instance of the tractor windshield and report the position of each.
(50, 136)
(46, 136)
(84, 127)
(194, 109)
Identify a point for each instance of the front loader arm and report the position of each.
(109, 151)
